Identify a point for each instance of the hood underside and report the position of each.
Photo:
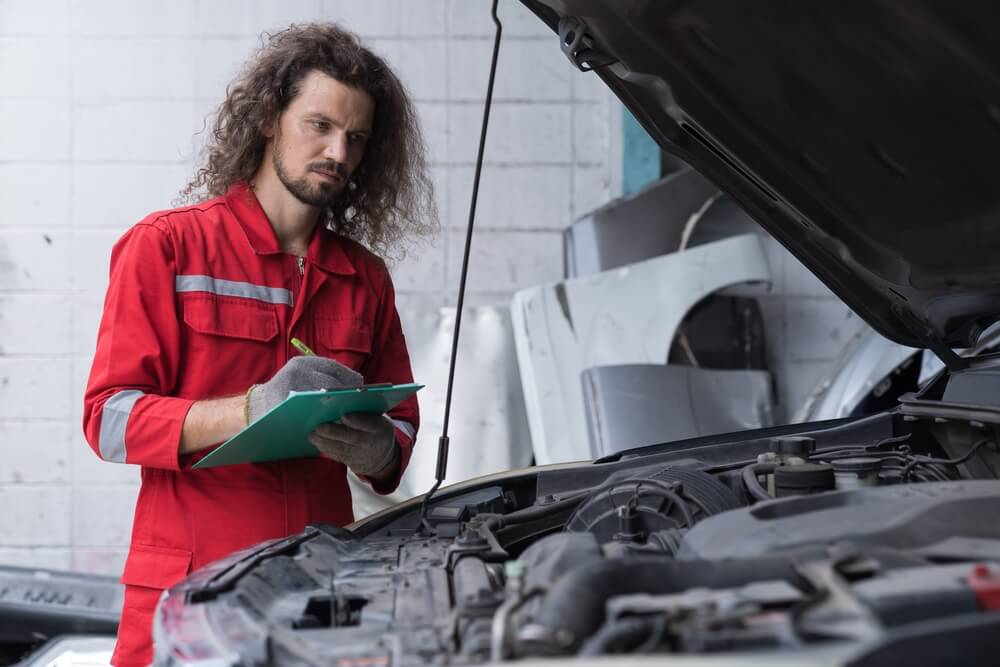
(862, 135)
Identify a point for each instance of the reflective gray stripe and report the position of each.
(114, 419)
(233, 288)
(405, 427)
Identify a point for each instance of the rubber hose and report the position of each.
(626, 630)
(750, 473)
(575, 605)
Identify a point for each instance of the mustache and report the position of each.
(331, 167)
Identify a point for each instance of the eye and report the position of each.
(357, 138)
(320, 125)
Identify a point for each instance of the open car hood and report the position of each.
(863, 135)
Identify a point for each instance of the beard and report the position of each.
(321, 195)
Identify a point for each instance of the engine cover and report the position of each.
(932, 518)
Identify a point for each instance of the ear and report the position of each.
(269, 130)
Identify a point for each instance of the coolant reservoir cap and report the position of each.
(814, 476)
(793, 445)
(859, 465)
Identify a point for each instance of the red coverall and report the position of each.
(202, 304)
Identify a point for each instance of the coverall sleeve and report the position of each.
(390, 362)
(128, 415)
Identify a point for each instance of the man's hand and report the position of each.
(364, 442)
(299, 374)
(211, 421)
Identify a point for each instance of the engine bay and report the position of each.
(856, 542)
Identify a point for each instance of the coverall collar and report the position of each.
(325, 250)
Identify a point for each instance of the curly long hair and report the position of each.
(391, 201)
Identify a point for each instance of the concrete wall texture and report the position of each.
(101, 103)
(806, 326)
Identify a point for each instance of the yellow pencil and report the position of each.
(302, 347)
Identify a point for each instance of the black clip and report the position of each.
(578, 47)
(377, 385)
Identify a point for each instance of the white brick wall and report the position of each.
(29, 199)
(43, 130)
(36, 452)
(103, 101)
(39, 517)
(806, 327)
(542, 201)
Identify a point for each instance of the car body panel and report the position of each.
(622, 316)
(864, 363)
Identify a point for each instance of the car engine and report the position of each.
(855, 543)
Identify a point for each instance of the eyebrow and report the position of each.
(320, 116)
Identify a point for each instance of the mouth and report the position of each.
(330, 176)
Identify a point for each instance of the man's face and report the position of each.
(318, 141)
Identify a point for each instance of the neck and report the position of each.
(293, 222)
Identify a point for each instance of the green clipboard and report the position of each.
(281, 432)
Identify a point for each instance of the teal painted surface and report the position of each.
(640, 154)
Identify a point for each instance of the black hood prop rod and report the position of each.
(443, 442)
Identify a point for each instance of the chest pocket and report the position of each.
(228, 344)
(346, 339)
(230, 319)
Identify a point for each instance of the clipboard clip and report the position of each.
(378, 385)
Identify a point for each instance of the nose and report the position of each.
(336, 147)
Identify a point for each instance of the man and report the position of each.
(314, 154)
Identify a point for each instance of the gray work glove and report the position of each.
(307, 373)
(363, 441)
